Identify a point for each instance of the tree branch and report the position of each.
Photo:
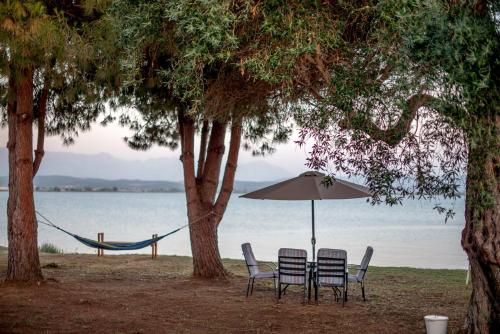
(230, 171)
(320, 65)
(42, 110)
(186, 131)
(203, 149)
(393, 135)
(211, 170)
(384, 74)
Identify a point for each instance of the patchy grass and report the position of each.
(134, 294)
(50, 248)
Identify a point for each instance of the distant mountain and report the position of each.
(106, 166)
(260, 170)
(69, 183)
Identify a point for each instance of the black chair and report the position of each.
(331, 272)
(362, 269)
(253, 269)
(292, 269)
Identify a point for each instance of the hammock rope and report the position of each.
(117, 245)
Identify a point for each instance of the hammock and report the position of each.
(110, 245)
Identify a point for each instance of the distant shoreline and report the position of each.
(104, 190)
(58, 183)
(131, 191)
(99, 190)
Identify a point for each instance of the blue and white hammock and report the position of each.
(110, 245)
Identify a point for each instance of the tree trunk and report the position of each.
(11, 146)
(23, 260)
(202, 220)
(481, 235)
(204, 212)
(207, 262)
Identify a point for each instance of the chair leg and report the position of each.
(343, 295)
(248, 285)
(316, 287)
(253, 281)
(363, 290)
(279, 290)
(274, 281)
(346, 288)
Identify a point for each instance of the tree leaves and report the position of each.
(448, 51)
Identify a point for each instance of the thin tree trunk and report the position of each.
(230, 171)
(23, 260)
(213, 161)
(203, 149)
(42, 109)
(481, 235)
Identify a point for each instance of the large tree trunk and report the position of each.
(481, 235)
(204, 210)
(23, 260)
(207, 262)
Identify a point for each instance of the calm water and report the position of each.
(410, 235)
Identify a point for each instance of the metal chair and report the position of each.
(292, 269)
(331, 272)
(253, 269)
(362, 269)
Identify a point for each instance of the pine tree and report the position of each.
(49, 80)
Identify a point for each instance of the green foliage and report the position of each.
(347, 71)
(462, 42)
(182, 55)
(281, 33)
(185, 38)
(363, 122)
(62, 42)
(50, 248)
(204, 34)
(229, 60)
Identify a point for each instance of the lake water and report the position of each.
(411, 235)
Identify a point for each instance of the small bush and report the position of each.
(50, 248)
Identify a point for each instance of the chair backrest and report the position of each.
(363, 267)
(331, 266)
(250, 260)
(292, 266)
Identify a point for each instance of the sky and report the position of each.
(109, 140)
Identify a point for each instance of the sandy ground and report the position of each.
(134, 294)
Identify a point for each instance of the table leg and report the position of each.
(315, 292)
(309, 285)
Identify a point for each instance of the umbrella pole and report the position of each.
(313, 239)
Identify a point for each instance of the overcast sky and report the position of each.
(109, 139)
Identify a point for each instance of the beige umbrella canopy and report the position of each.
(310, 186)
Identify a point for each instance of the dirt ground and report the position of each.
(134, 294)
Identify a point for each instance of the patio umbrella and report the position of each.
(310, 186)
